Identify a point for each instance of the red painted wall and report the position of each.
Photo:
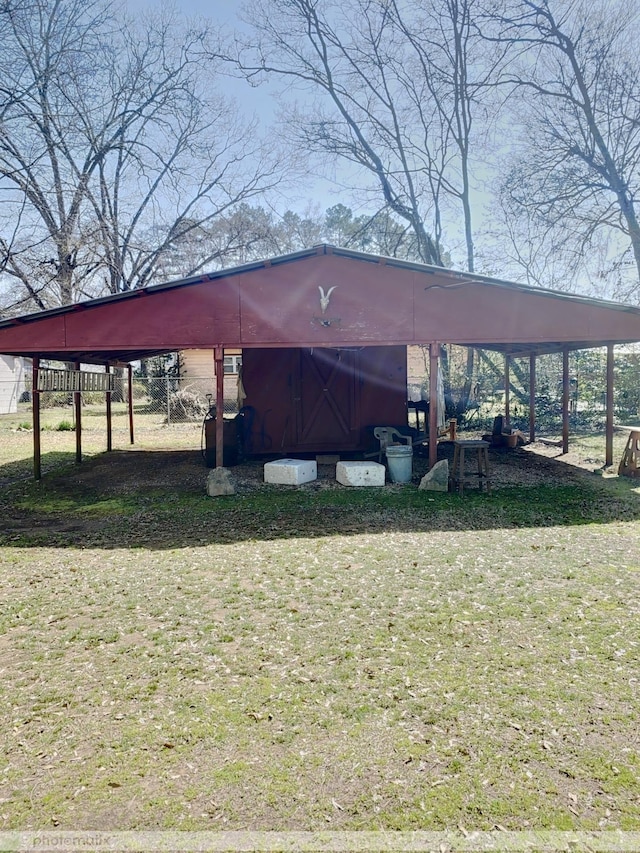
(323, 400)
(319, 300)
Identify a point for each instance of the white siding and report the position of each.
(197, 368)
(12, 372)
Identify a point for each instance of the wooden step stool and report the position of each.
(458, 474)
(629, 464)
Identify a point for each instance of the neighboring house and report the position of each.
(13, 370)
(197, 369)
(417, 373)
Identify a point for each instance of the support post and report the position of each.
(434, 359)
(130, 384)
(532, 397)
(218, 355)
(565, 401)
(35, 409)
(507, 391)
(107, 370)
(609, 420)
(77, 403)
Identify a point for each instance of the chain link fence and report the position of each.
(476, 398)
(178, 400)
(160, 401)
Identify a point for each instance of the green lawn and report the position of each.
(317, 658)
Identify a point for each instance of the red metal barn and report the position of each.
(323, 333)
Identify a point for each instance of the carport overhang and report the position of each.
(322, 297)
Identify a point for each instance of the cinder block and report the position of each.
(290, 472)
(360, 473)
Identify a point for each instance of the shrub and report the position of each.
(139, 390)
(186, 405)
(92, 398)
(55, 399)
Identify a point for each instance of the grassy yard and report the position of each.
(58, 438)
(316, 658)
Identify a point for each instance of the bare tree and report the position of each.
(454, 67)
(349, 57)
(182, 162)
(44, 48)
(113, 145)
(397, 86)
(575, 72)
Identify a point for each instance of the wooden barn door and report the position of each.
(326, 396)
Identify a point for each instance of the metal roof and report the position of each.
(276, 302)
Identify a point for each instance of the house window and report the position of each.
(232, 363)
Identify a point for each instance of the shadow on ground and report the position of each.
(157, 499)
(22, 469)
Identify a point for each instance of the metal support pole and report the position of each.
(130, 383)
(532, 397)
(107, 370)
(77, 402)
(565, 401)
(609, 420)
(35, 409)
(166, 388)
(434, 360)
(507, 391)
(218, 355)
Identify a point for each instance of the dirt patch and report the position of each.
(128, 472)
(576, 457)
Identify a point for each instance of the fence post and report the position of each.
(532, 396)
(35, 410)
(130, 385)
(107, 370)
(609, 407)
(168, 403)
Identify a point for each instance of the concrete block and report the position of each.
(290, 472)
(360, 473)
